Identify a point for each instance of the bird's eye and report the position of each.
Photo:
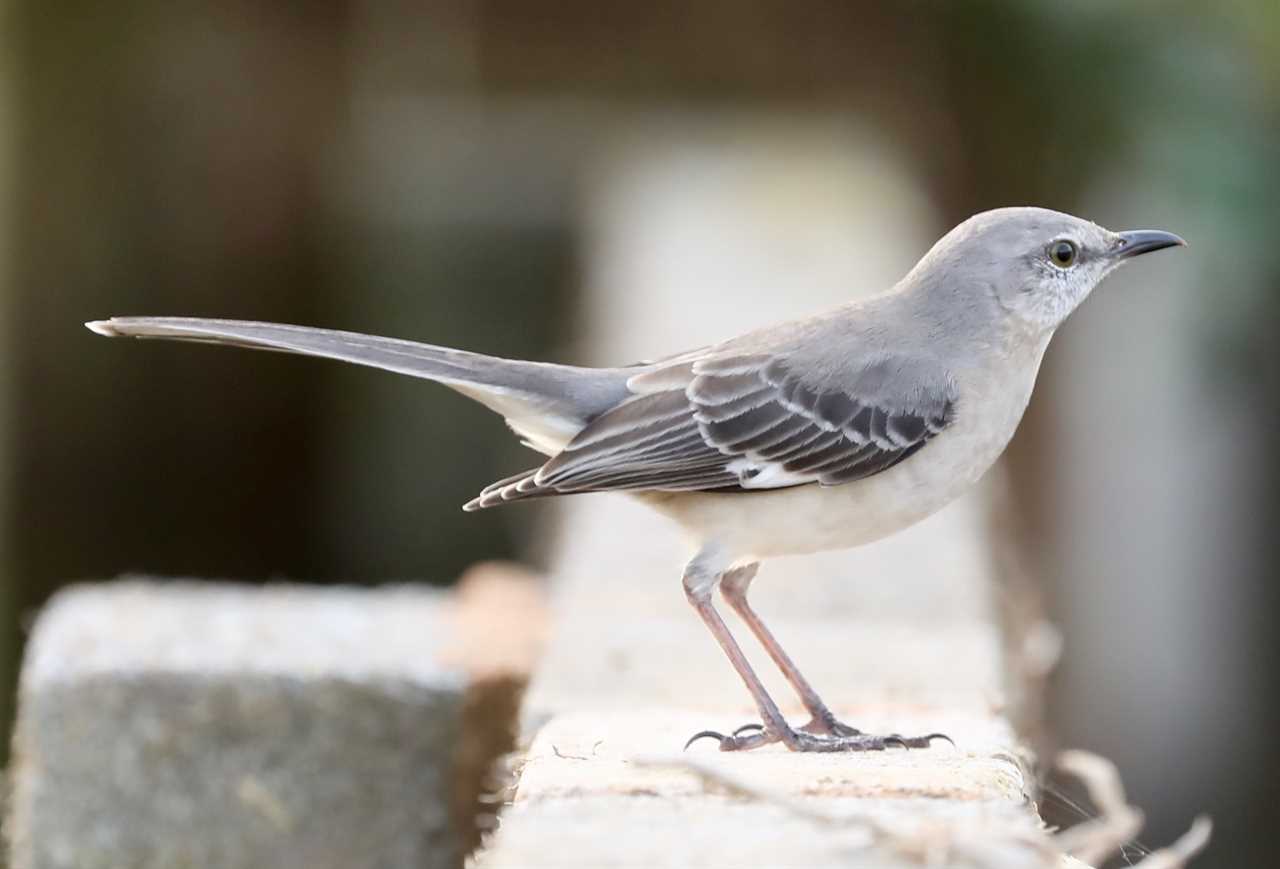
(1062, 254)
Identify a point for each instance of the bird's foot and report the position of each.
(750, 736)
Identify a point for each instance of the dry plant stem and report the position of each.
(1188, 845)
(1118, 822)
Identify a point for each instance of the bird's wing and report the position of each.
(748, 422)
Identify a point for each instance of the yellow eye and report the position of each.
(1062, 254)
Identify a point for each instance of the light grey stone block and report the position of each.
(181, 724)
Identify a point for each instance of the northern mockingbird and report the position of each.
(822, 433)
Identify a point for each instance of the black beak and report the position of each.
(1138, 241)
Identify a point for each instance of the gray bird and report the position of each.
(822, 433)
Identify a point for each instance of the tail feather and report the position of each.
(516, 487)
(545, 404)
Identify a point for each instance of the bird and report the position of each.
(827, 432)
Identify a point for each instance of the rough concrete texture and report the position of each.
(179, 724)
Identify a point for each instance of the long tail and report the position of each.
(545, 404)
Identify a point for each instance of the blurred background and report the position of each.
(456, 172)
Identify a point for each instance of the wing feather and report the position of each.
(747, 426)
(747, 422)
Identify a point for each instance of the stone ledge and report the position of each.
(178, 723)
(899, 637)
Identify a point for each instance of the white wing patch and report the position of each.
(765, 475)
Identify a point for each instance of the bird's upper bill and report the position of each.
(1139, 241)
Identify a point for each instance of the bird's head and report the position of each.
(1039, 265)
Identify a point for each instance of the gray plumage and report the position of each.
(826, 432)
(824, 401)
(722, 420)
(726, 421)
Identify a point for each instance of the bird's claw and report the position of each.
(743, 739)
(916, 741)
(707, 734)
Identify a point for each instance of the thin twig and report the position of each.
(1118, 822)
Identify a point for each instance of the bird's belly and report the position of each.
(813, 518)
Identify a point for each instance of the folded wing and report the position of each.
(747, 422)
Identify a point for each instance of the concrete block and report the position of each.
(183, 724)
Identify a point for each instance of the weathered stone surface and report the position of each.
(180, 724)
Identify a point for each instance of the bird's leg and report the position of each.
(700, 580)
(734, 587)
(823, 732)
